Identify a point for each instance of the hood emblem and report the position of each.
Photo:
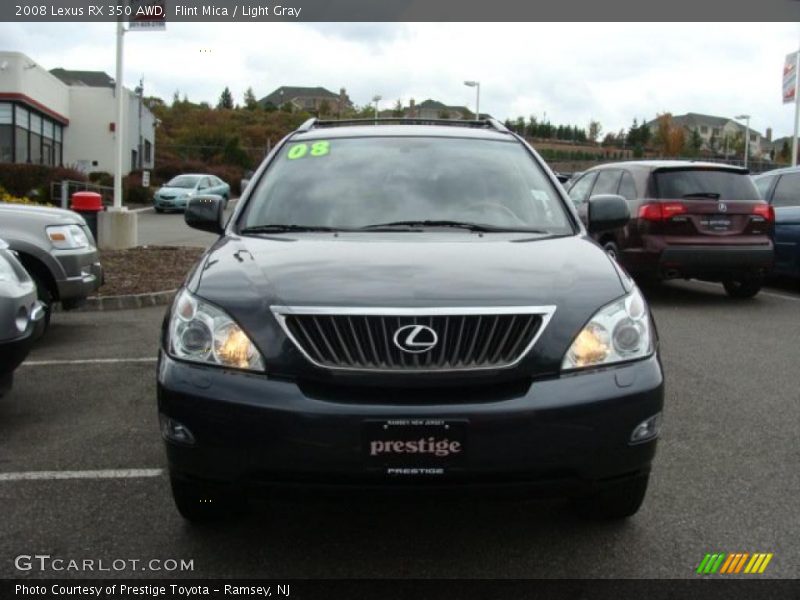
(722, 207)
(415, 339)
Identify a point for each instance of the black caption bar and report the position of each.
(485, 589)
(398, 10)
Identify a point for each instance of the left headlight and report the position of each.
(202, 333)
(67, 237)
(618, 332)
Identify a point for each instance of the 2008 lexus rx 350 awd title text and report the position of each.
(406, 303)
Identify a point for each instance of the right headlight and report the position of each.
(203, 333)
(618, 332)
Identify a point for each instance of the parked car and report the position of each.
(21, 315)
(781, 188)
(689, 220)
(58, 251)
(408, 304)
(174, 194)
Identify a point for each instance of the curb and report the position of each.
(103, 303)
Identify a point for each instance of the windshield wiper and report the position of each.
(456, 224)
(711, 195)
(282, 228)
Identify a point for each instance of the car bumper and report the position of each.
(561, 433)
(83, 276)
(13, 351)
(714, 262)
(169, 204)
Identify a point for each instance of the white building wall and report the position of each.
(21, 75)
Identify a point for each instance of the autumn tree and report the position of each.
(670, 138)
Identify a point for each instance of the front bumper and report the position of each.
(171, 203)
(83, 275)
(564, 432)
(13, 351)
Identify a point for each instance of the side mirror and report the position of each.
(606, 212)
(206, 213)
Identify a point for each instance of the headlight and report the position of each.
(618, 332)
(200, 332)
(67, 237)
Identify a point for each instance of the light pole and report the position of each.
(746, 119)
(376, 98)
(477, 86)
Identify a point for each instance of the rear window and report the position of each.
(704, 183)
(357, 182)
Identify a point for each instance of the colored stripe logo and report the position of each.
(734, 563)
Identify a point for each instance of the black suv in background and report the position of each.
(408, 303)
(688, 220)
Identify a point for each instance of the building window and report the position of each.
(148, 152)
(22, 123)
(703, 129)
(715, 131)
(753, 137)
(36, 139)
(6, 133)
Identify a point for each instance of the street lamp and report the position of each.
(746, 119)
(376, 98)
(477, 86)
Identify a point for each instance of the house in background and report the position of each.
(309, 99)
(68, 118)
(717, 134)
(430, 109)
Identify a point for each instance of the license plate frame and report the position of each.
(414, 446)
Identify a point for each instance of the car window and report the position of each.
(763, 183)
(607, 182)
(627, 187)
(787, 191)
(580, 188)
(183, 181)
(357, 182)
(704, 183)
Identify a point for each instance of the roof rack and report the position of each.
(489, 123)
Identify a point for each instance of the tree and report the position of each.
(786, 153)
(595, 129)
(694, 143)
(250, 101)
(225, 99)
(397, 111)
(670, 138)
(287, 107)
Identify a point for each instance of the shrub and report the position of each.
(22, 179)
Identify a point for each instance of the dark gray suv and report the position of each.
(408, 303)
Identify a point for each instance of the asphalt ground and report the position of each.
(725, 479)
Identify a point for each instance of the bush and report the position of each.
(22, 179)
(9, 199)
(132, 190)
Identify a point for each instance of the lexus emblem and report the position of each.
(722, 207)
(415, 339)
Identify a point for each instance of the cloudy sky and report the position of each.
(570, 72)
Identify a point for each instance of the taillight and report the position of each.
(765, 211)
(661, 211)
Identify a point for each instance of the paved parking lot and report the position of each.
(725, 478)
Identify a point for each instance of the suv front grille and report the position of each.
(407, 340)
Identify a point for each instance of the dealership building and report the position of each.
(68, 118)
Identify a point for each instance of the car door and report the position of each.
(204, 186)
(785, 199)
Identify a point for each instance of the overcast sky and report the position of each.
(570, 72)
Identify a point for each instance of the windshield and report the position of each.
(357, 183)
(183, 181)
(704, 184)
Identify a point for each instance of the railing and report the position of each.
(61, 191)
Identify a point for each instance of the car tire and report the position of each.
(743, 288)
(159, 210)
(201, 502)
(46, 297)
(611, 249)
(617, 500)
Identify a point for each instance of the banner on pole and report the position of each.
(790, 78)
(147, 15)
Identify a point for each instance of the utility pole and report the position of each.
(118, 126)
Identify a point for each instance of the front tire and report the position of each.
(201, 502)
(743, 288)
(617, 500)
(159, 210)
(611, 249)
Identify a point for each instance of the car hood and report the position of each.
(49, 215)
(247, 275)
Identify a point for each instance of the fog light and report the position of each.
(646, 430)
(22, 319)
(175, 432)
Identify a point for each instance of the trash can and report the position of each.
(88, 204)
